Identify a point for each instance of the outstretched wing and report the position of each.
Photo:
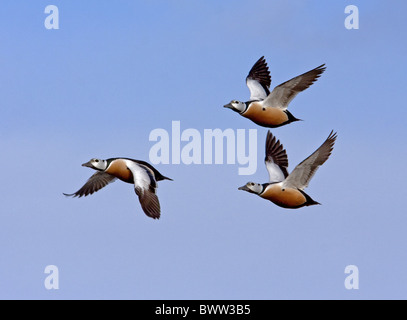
(258, 81)
(96, 182)
(276, 159)
(145, 186)
(303, 173)
(284, 93)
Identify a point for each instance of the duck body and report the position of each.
(288, 198)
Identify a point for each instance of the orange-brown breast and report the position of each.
(265, 116)
(289, 198)
(119, 169)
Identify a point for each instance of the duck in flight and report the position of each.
(287, 190)
(143, 175)
(270, 109)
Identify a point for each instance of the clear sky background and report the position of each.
(116, 70)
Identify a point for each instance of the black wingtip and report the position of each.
(333, 135)
(269, 135)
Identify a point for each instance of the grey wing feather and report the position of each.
(96, 182)
(149, 202)
(303, 173)
(284, 93)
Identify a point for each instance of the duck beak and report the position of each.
(87, 164)
(229, 105)
(244, 188)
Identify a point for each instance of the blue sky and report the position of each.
(116, 70)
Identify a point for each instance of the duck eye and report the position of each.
(96, 160)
